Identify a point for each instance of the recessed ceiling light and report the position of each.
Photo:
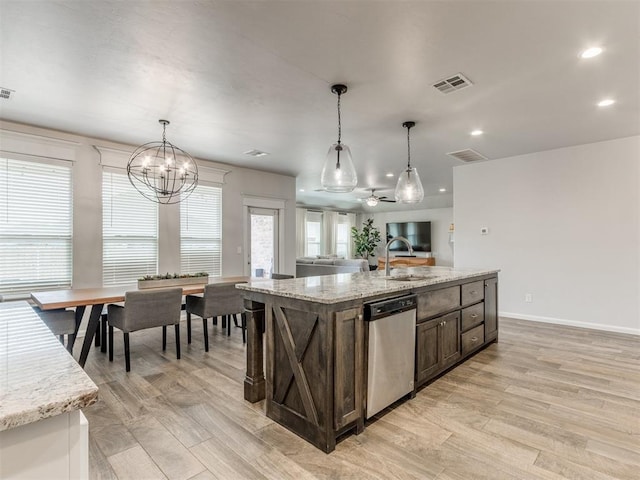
(591, 52)
(389, 174)
(606, 102)
(301, 190)
(443, 189)
(475, 133)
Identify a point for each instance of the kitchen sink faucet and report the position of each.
(387, 268)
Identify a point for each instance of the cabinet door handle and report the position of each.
(474, 315)
(474, 339)
(473, 292)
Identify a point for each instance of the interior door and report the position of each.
(263, 242)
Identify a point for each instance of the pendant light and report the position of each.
(339, 174)
(409, 188)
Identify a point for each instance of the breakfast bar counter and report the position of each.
(43, 433)
(316, 340)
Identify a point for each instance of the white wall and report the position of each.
(564, 226)
(87, 205)
(440, 219)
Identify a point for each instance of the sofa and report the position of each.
(313, 266)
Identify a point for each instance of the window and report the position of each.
(129, 232)
(201, 231)
(35, 225)
(343, 235)
(314, 234)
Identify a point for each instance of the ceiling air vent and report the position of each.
(256, 153)
(6, 93)
(452, 83)
(467, 155)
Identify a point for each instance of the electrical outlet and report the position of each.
(484, 230)
(238, 250)
(528, 297)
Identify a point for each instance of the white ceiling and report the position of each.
(232, 76)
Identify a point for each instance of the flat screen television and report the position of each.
(418, 234)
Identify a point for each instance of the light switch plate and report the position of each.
(484, 230)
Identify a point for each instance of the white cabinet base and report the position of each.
(53, 448)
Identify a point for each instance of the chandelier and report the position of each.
(162, 172)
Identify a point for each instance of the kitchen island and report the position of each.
(316, 340)
(43, 433)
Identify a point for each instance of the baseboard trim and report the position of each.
(571, 323)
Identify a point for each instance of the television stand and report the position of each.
(406, 261)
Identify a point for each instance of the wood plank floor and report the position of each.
(546, 402)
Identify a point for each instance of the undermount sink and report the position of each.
(409, 278)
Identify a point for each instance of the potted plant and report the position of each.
(366, 240)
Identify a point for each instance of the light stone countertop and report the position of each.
(343, 287)
(38, 377)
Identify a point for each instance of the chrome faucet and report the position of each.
(387, 268)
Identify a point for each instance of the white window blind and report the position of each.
(129, 232)
(314, 233)
(201, 231)
(35, 226)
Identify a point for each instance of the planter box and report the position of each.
(172, 282)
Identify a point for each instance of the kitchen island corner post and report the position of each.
(254, 382)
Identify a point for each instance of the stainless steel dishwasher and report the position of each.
(391, 352)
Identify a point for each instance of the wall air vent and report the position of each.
(467, 155)
(256, 153)
(453, 83)
(6, 93)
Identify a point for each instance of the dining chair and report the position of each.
(217, 300)
(61, 322)
(145, 309)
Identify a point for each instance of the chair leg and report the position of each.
(177, 341)
(103, 333)
(111, 343)
(235, 319)
(127, 359)
(61, 338)
(224, 321)
(70, 341)
(243, 318)
(214, 321)
(228, 325)
(188, 327)
(96, 338)
(164, 338)
(205, 329)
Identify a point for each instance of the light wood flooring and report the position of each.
(546, 402)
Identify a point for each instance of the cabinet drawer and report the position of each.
(438, 301)
(472, 316)
(472, 292)
(472, 339)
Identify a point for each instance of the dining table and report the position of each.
(96, 298)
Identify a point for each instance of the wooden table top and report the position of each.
(76, 297)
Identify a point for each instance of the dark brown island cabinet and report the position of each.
(313, 338)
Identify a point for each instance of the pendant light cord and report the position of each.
(408, 149)
(339, 122)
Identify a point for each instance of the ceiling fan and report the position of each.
(372, 200)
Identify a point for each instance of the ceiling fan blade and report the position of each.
(388, 201)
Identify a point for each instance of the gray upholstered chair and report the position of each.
(217, 300)
(145, 309)
(61, 322)
(280, 276)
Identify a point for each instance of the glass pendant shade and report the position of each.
(409, 187)
(339, 174)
